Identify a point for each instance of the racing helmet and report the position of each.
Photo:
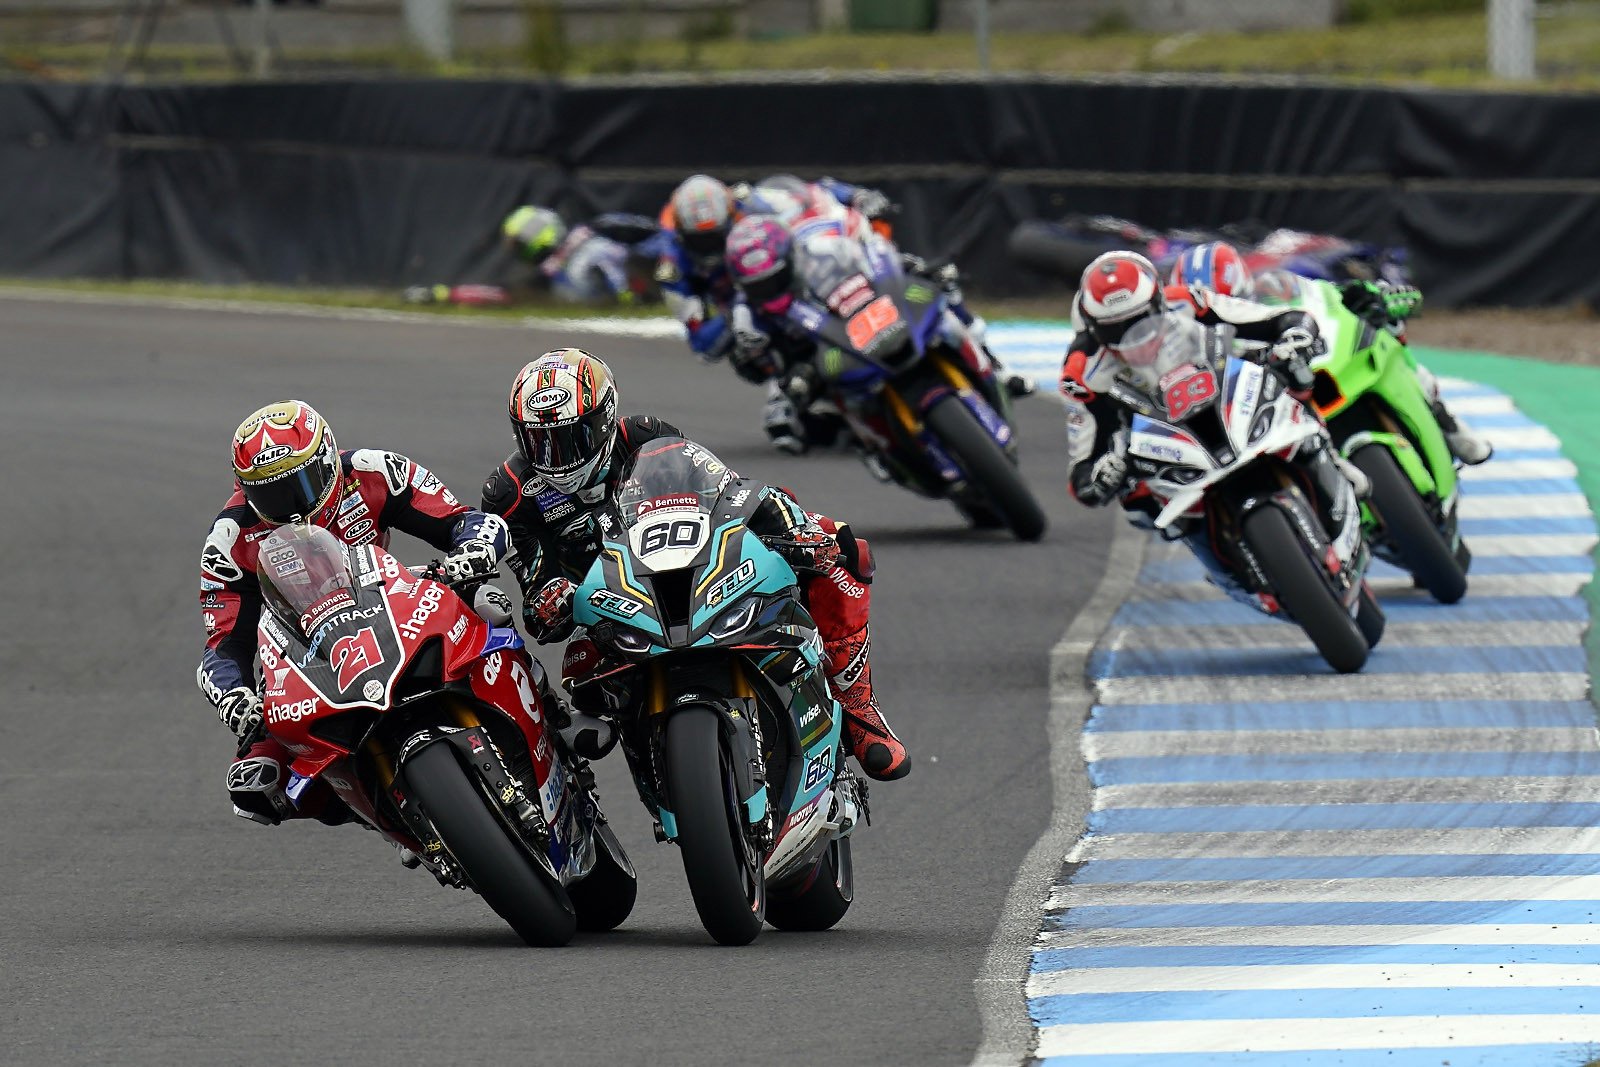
(564, 416)
(1215, 265)
(702, 212)
(760, 256)
(534, 232)
(1123, 307)
(287, 463)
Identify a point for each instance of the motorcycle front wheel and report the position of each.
(1407, 526)
(1304, 592)
(501, 869)
(725, 873)
(988, 468)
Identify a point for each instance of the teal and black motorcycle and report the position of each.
(712, 669)
(1379, 417)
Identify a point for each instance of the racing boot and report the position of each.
(875, 746)
(1353, 474)
(782, 421)
(1465, 445)
(259, 786)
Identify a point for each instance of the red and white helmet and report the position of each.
(1122, 306)
(1217, 266)
(287, 463)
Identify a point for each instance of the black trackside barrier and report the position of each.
(390, 183)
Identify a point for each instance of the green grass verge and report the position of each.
(1446, 48)
(1563, 397)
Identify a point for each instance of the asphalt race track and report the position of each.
(143, 923)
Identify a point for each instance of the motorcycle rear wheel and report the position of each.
(512, 883)
(605, 896)
(726, 877)
(824, 900)
(987, 466)
(1408, 526)
(1304, 592)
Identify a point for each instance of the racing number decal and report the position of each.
(679, 533)
(1189, 391)
(353, 654)
(865, 325)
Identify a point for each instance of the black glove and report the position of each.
(1366, 300)
(1292, 357)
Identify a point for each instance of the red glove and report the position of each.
(548, 613)
(812, 549)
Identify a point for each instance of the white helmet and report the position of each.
(1122, 304)
(564, 415)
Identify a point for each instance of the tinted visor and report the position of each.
(296, 495)
(566, 446)
(763, 291)
(706, 244)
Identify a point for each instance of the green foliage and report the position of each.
(1356, 11)
(544, 44)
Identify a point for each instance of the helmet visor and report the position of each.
(566, 446)
(706, 244)
(1138, 341)
(297, 494)
(768, 289)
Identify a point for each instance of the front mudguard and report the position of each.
(481, 758)
(1414, 465)
(1346, 575)
(737, 716)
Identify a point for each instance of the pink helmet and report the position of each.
(761, 262)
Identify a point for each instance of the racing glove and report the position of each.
(548, 613)
(240, 711)
(810, 548)
(471, 561)
(751, 356)
(871, 203)
(1106, 477)
(1292, 357)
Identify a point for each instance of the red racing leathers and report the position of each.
(378, 492)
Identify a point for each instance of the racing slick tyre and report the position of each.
(1369, 617)
(606, 894)
(1303, 590)
(725, 872)
(499, 866)
(821, 898)
(1407, 527)
(987, 466)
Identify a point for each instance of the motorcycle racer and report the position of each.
(1128, 323)
(1218, 267)
(769, 346)
(556, 492)
(691, 272)
(586, 265)
(288, 468)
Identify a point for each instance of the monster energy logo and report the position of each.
(832, 362)
(919, 294)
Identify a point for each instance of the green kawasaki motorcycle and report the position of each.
(1367, 390)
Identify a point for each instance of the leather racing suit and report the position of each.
(557, 535)
(379, 492)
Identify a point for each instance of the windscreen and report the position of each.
(305, 576)
(833, 269)
(670, 473)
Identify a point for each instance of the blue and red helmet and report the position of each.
(760, 254)
(1217, 266)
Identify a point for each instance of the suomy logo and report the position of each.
(547, 399)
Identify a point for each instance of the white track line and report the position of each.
(1113, 744)
(1551, 789)
(1516, 934)
(1285, 1035)
(1342, 890)
(1455, 841)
